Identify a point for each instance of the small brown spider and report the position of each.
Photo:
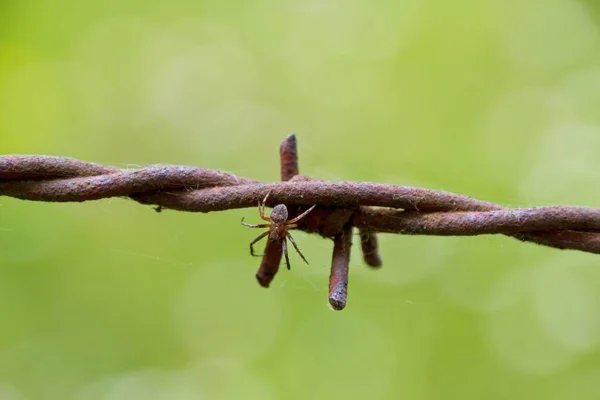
(278, 227)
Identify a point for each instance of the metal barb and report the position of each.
(269, 264)
(338, 279)
(370, 248)
(288, 156)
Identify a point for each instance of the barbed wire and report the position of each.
(341, 206)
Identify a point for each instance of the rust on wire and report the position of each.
(269, 264)
(340, 263)
(370, 249)
(341, 206)
(288, 158)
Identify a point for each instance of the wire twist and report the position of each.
(370, 207)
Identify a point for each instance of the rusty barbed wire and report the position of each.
(341, 206)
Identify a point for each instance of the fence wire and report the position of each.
(341, 205)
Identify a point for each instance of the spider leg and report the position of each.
(299, 217)
(256, 239)
(261, 208)
(285, 253)
(296, 246)
(255, 225)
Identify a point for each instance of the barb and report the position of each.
(340, 262)
(269, 264)
(288, 156)
(369, 207)
(370, 249)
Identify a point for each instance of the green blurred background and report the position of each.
(109, 300)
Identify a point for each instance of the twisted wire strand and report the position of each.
(374, 207)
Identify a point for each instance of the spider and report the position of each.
(278, 227)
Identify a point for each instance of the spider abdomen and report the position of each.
(279, 214)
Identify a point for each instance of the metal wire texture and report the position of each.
(341, 205)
